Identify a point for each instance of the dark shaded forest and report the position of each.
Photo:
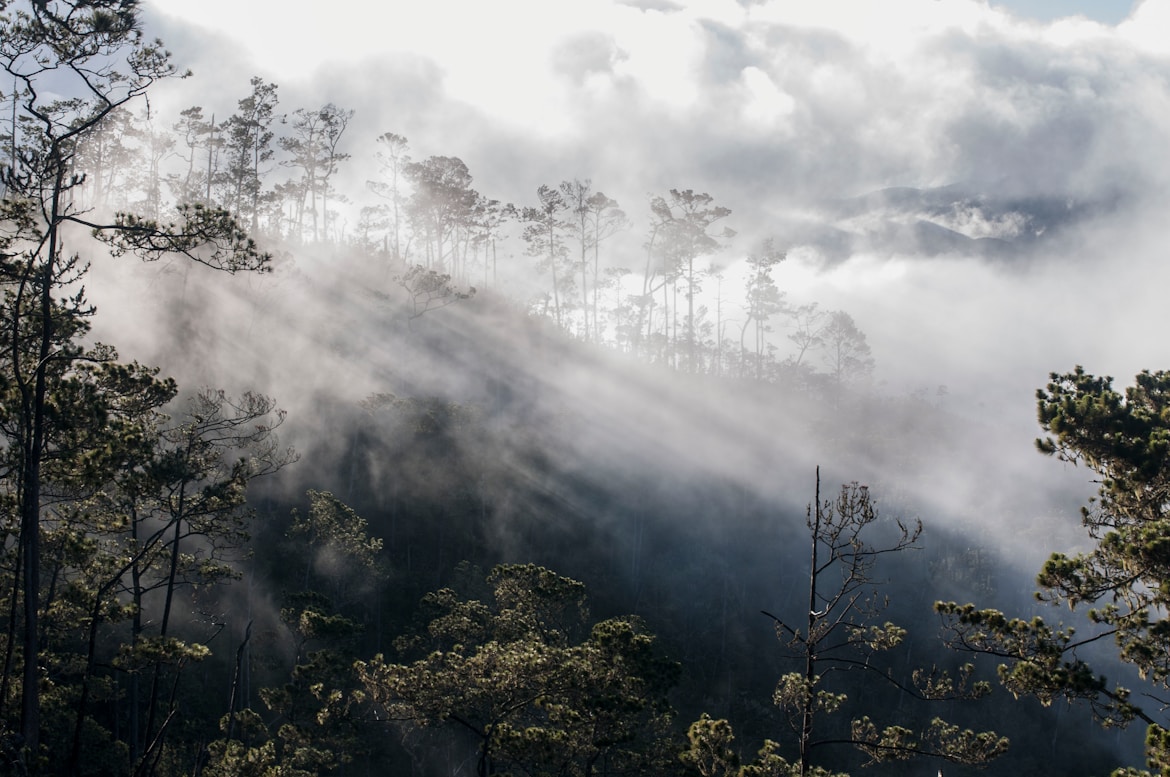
(412, 480)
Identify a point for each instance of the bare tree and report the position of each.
(843, 631)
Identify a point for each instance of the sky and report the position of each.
(1105, 11)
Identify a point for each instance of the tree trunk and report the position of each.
(810, 658)
(34, 414)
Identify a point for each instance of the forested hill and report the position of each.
(479, 434)
(299, 480)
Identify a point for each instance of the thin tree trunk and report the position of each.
(34, 412)
(135, 638)
(810, 658)
(10, 643)
(233, 699)
(552, 261)
(210, 158)
(156, 679)
(691, 367)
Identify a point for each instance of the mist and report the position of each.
(1038, 138)
(983, 194)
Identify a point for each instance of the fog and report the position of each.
(984, 194)
(1043, 137)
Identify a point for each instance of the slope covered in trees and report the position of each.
(183, 595)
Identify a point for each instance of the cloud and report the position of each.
(766, 104)
(1145, 27)
(773, 107)
(833, 98)
(662, 6)
(585, 55)
(984, 194)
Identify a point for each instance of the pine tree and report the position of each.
(97, 57)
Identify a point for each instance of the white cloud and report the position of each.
(1147, 25)
(766, 103)
(892, 28)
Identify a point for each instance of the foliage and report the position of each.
(317, 717)
(842, 633)
(595, 218)
(442, 209)
(710, 752)
(514, 673)
(1123, 582)
(313, 148)
(681, 234)
(430, 290)
(77, 425)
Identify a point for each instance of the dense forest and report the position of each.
(414, 480)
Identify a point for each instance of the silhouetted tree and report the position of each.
(393, 159)
(202, 143)
(844, 351)
(313, 149)
(248, 144)
(441, 210)
(683, 222)
(595, 218)
(764, 300)
(545, 233)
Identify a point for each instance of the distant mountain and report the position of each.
(954, 220)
